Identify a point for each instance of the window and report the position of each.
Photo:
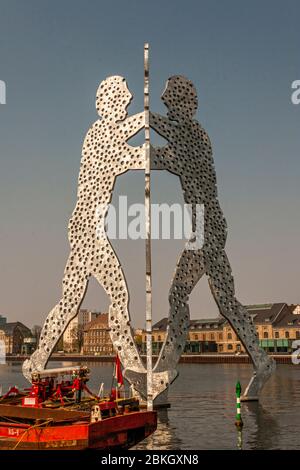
(276, 334)
(298, 334)
(229, 347)
(266, 335)
(212, 336)
(196, 337)
(204, 337)
(287, 335)
(220, 336)
(159, 338)
(229, 336)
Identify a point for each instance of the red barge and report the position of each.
(52, 415)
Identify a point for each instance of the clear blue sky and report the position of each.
(242, 57)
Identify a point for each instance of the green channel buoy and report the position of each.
(238, 417)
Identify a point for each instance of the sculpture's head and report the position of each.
(113, 98)
(180, 97)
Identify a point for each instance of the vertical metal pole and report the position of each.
(148, 231)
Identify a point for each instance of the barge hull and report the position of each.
(118, 432)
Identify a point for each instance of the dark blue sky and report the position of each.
(242, 57)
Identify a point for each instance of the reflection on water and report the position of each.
(202, 413)
(240, 439)
(165, 436)
(264, 430)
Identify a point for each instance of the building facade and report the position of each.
(29, 345)
(203, 336)
(277, 326)
(96, 337)
(12, 335)
(73, 335)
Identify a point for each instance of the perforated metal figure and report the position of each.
(105, 155)
(188, 155)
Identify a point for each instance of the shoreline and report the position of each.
(185, 359)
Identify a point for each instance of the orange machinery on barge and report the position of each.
(53, 415)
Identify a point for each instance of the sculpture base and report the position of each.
(245, 398)
(156, 406)
(160, 402)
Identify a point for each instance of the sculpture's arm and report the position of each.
(157, 158)
(134, 159)
(163, 158)
(133, 124)
(161, 125)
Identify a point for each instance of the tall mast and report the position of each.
(148, 231)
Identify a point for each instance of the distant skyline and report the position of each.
(242, 58)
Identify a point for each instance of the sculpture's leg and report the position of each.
(189, 270)
(222, 286)
(74, 286)
(106, 269)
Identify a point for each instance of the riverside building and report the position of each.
(277, 326)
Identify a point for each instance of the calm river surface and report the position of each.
(202, 412)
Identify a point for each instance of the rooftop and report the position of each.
(162, 324)
(8, 328)
(270, 313)
(99, 323)
(276, 314)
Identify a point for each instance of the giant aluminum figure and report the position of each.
(188, 154)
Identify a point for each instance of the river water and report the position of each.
(202, 413)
